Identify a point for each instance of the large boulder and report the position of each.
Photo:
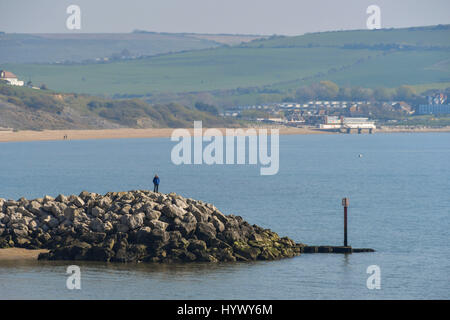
(97, 225)
(173, 211)
(157, 224)
(133, 221)
(78, 202)
(205, 231)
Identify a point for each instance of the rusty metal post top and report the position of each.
(345, 202)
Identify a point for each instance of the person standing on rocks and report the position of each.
(155, 183)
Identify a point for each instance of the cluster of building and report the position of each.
(293, 112)
(327, 114)
(313, 113)
(437, 104)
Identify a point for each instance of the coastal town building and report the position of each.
(437, 104)
(10, 78)
(403, 107)
(347, 124)
(433, 109)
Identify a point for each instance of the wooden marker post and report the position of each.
(345, 203)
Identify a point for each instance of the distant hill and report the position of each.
(429, 36)
(30, 109)
(77, 47)
(367, 58)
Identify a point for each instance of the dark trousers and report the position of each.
(155, 189)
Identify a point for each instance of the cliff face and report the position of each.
(136, 226)
(23, 108)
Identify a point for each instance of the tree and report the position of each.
(382, 94)
(404, 93)
(305, 94)
(327, 90)
(207, 108)
(358, 93)
(344, 94)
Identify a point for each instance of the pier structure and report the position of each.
(348, 125)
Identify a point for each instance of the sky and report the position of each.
(282, 17)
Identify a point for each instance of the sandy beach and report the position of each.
(49, 135)
(394, 129)
(19, 254)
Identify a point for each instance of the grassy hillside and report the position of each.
(25, 108)
(50, 48)
(414, 56)
(204, 70)
(388, 69)
(415, 36)
(76, 47)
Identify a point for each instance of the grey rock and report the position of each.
(157, 224)
(205, 231)
(133, 221)
(160, 235)
(33, 225)
(20, 233)
(34, 207)
(125, 209)
(172, 211)
(199, 215)
(143, 235)
(61, 198)
(220, 227)
(97, 211)
(48, 199)
(195, 244)
(71, 213)
(78, 202)
(153, 214)
(53, 222)
(220, 216)
(122, 228)
(96, 225)
(11, 203)
(180, 203)
(104, 202)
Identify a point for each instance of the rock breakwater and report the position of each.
(136, 226)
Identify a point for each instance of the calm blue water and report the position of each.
(399, 205)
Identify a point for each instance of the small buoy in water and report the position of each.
(360, 155)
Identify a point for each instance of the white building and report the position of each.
(348, 123)
(11, 78)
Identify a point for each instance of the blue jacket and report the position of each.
(156, 180)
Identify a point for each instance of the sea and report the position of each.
(398, 186)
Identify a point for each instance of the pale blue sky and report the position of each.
(288, 17)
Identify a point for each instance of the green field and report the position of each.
(390, 70)
(76, 47)
(389, 58)
(419, 36)
(204, 70)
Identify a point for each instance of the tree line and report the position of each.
(328, 90)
